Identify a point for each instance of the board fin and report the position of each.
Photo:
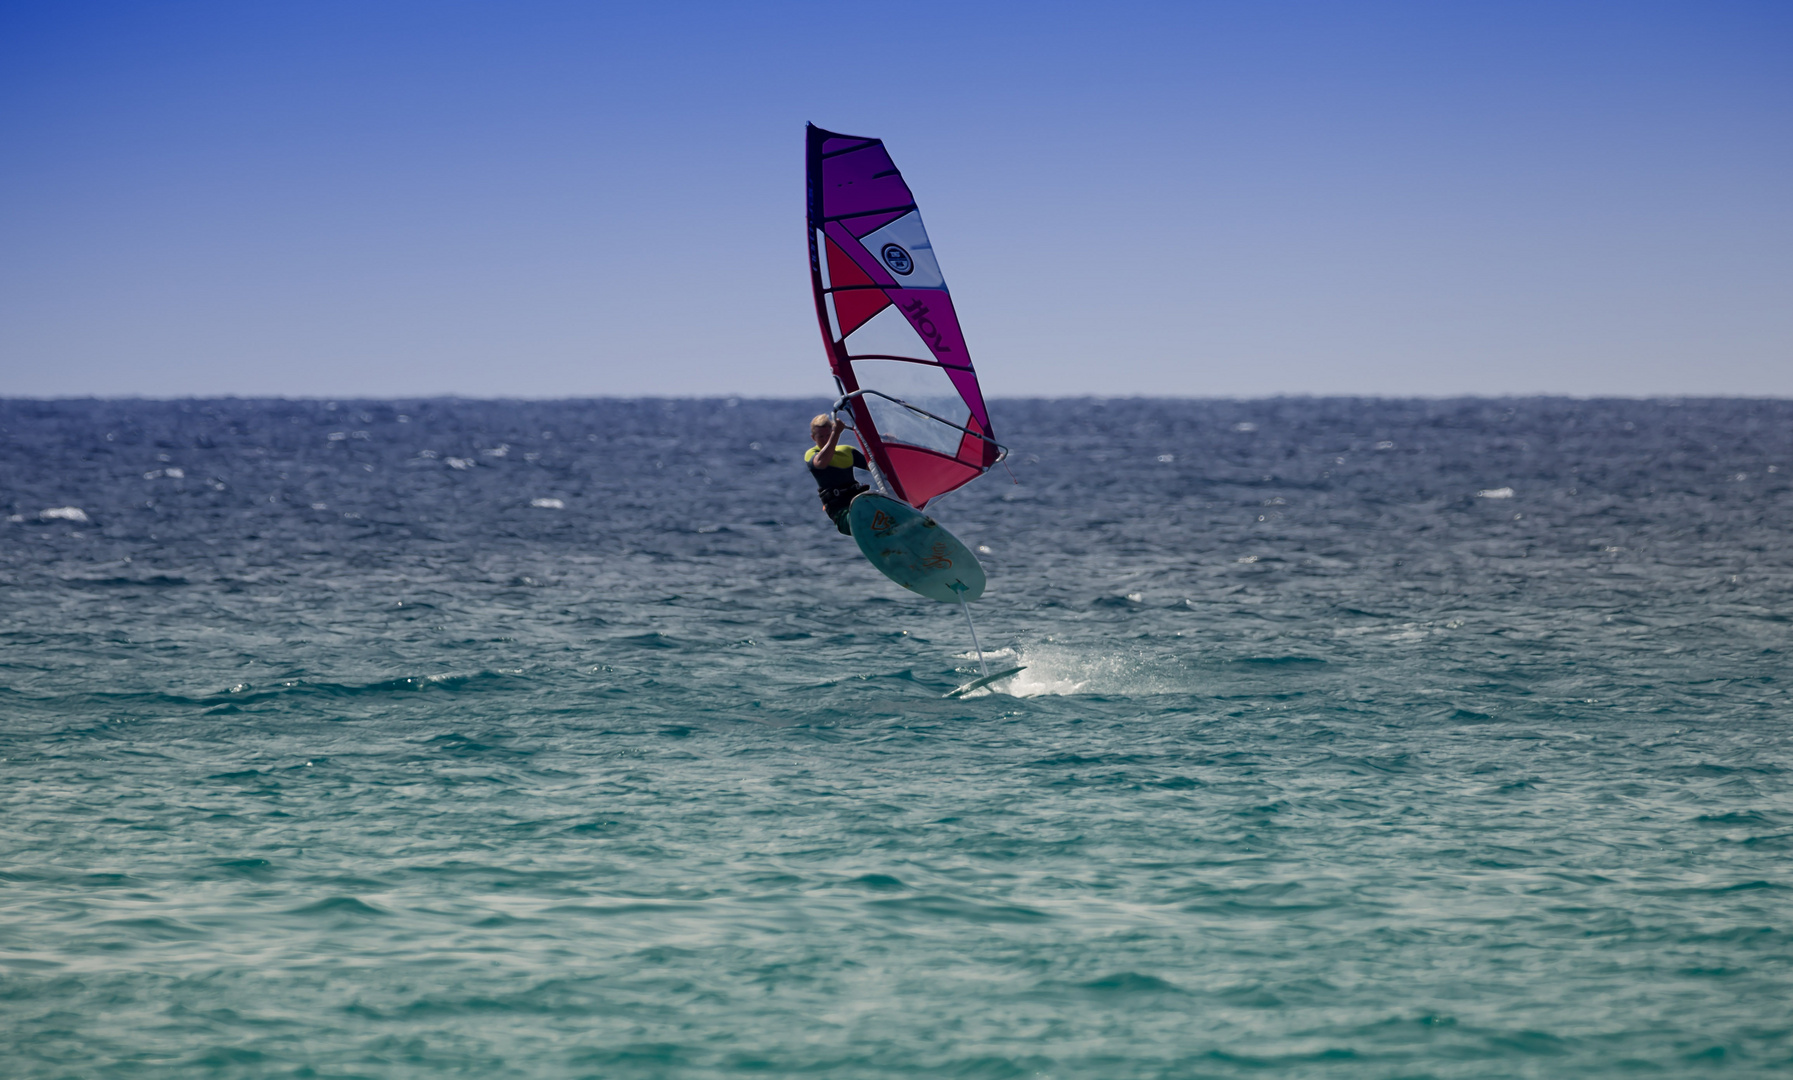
(980, 683)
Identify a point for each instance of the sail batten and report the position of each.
(889, 323)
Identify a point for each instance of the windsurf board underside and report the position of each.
(913, 550)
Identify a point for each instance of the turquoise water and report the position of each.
(1358, 739)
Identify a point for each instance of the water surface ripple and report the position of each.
(452, 738)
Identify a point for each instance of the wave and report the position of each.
(241, 694)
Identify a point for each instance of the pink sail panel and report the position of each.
(889, 323)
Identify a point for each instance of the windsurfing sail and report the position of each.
(892, 334)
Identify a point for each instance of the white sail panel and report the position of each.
(903, 247)
(888, 333)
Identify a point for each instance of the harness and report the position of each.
(834, 498)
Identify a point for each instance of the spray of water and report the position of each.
(1062, 670)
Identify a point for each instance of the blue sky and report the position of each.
(546, 199)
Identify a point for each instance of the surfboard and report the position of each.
(913, 550)
(978, 684)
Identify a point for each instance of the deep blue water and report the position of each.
(1358, 739)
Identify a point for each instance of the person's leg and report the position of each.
(842, 522)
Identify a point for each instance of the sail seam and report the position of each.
(851, 149)
(908, 360)
(868, 213)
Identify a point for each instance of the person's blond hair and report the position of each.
(822, 420)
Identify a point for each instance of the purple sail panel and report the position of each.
(860, 224)
(862, 182)
(931, 313)
(889, 323)
(840, 144)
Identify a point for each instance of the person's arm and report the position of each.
(825, 453)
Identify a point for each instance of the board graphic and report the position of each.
(913, 550)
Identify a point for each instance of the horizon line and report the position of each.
(328, 398)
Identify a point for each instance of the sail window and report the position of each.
(925, 386)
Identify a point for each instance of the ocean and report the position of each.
(452, 738)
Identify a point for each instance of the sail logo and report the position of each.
(897, 259)
(918, 314)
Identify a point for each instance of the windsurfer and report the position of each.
(832, 465)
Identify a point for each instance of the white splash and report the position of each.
(1053, 670)
(1495, 493)
(63, 513)
(548, 504)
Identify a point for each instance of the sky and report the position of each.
(533, 199)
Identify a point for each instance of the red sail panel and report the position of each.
(927, 474)
(854, 308)
(843, 273)
(889, 323)
(856, 296)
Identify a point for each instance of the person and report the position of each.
(832, 465)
